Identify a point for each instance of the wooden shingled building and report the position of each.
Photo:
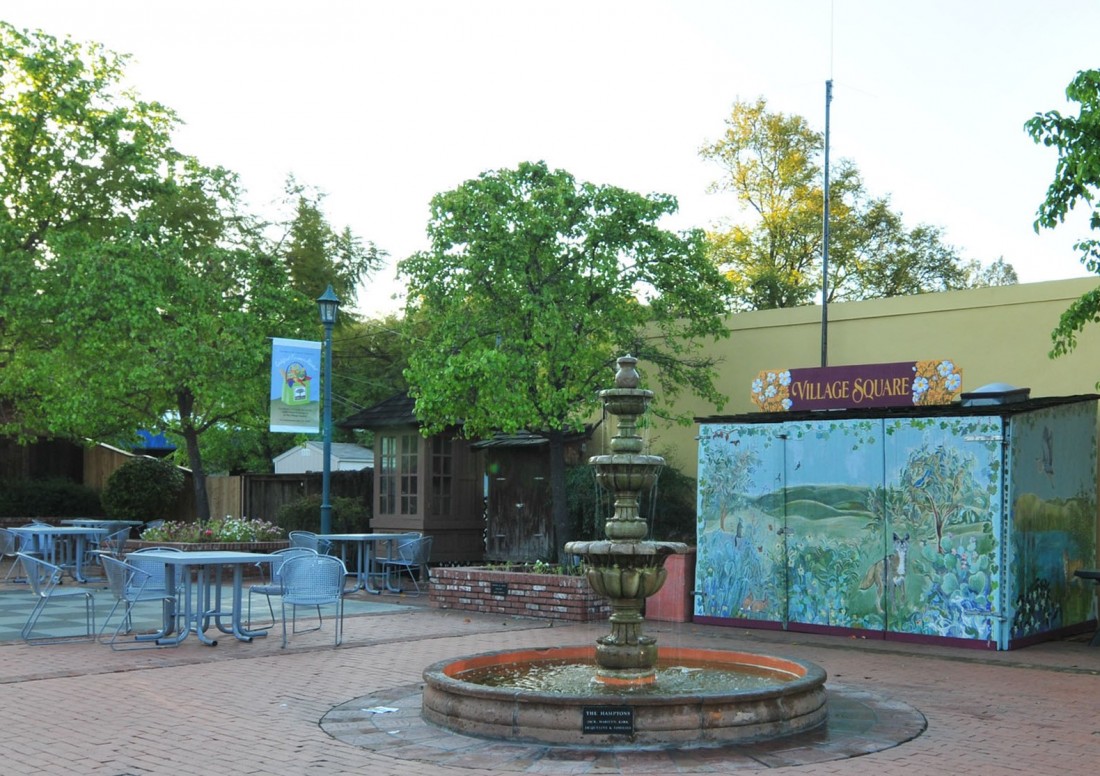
(433, 484)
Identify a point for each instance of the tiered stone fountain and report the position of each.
(624, 691)
(625, 568)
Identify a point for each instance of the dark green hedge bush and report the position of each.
(349, 515)
(143, 489)
(48, 498)
(670, 511)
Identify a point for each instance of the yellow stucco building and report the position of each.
(995, 335)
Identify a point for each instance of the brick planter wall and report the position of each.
(137, 544)
(516, 593)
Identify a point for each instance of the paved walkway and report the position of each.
(257, 709)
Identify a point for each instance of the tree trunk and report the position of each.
(186, 402)
(559, 501)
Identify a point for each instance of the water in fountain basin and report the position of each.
(572, 678)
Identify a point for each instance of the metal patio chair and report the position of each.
(9, 549)
(113, 544)
(313, 580)
(412, 555)
(274, 585)
(43, 579)
(310, 541)
(155, 569)
(130, 587)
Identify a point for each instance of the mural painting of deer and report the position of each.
(889, 573)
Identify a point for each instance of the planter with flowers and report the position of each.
(228, 533)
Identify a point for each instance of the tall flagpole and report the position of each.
(825, 238)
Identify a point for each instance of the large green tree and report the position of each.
(77, 155)
(1076, 182)
(317, 255)
(164, 323)
(135, 291)
(534, 283)
(772, 252)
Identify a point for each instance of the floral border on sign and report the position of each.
(771, 390)
(936, 382)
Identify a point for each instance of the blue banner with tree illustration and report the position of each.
(295, 386)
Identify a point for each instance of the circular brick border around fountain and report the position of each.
(657, 718)
(389, 722)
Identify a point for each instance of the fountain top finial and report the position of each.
(627, 376)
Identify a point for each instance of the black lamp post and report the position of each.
(328, 304)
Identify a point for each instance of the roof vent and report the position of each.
(995, 393)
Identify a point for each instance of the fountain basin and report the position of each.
(794, 702)
(626, 472)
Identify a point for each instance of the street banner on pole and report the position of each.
(295, 386)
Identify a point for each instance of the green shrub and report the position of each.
(673, 518)
(143, 488)
(669, 511)
(349, 515)
(589, 505)
(48, 498)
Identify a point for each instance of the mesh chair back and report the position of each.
(115, 543)
(274, 586)
(119, 576)
(310, 541)
(415, 551)
(152, 566)
(313, 579)
(9, 543)
(129, 586)
(412, 556)
(42, 577)
(306, 539)
(282, 556)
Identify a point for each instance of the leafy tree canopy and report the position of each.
(534, 284)
(1076, 181)
(317, 255)
(770, 161)
(135, 290)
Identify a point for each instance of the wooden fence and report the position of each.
(263, 494)
(251, 495)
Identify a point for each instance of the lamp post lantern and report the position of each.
(327, 304)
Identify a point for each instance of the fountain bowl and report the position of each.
(657, 718)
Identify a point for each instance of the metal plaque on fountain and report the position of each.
(605, 720)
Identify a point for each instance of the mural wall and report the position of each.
(1053, 465)
(898, 524)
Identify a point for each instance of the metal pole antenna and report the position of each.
(825, 238)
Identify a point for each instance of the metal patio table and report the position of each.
(202, 592)
(62, 545)
(101, 522)
(366, 543)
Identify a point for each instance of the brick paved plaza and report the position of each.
(257, 709)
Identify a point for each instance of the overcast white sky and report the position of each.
(383, 104)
